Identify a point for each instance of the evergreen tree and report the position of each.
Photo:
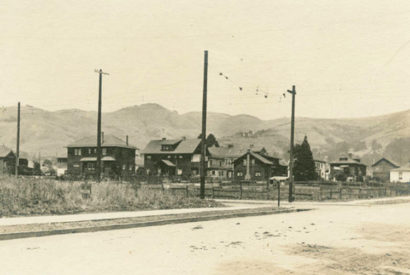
(304, 166)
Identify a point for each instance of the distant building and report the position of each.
(401, 174)
(118, 157)
(348, 168)
(322, 169)
(257, 166)
(61, 166)
(7, 161)
(221, 161)
(173, 157)
(381, 169)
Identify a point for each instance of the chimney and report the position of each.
(183, 138)
(126, 139)
(102, 137)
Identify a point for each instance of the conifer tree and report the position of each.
(304, 166)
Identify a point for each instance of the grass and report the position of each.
(36, 196)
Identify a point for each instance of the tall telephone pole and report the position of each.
(98, 168)
(203, 135)
(292, 138)
(18, 141)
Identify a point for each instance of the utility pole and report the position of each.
(98, 168)
(292, 137)
(18, 141)
(203, 135)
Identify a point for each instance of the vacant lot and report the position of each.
(36, 196)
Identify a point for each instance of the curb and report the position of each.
(172, 219)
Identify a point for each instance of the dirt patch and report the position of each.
(386, 233)
(254, 267)
(352, 260)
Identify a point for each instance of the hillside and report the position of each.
(48, 132)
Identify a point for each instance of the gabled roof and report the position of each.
(386, 160)
(185, 146)
(109, 141)
(262, 158)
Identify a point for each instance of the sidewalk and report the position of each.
(25, 227)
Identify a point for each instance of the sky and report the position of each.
(346, 58)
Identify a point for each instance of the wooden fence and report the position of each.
(301, 192)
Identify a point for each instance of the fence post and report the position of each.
(213, 191)
(340, 193)
(320, 193)
(240, 189)
(186, 191)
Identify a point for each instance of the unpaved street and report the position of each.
(334, 239)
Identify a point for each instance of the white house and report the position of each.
(401, 174)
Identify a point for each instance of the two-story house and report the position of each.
(173, 157)
(221, 161)
(118, 157)
(322, 169)
(348, 168)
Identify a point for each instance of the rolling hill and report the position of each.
(48, 132)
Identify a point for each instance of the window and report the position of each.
(124, 167)
(91, 166)
(181, 157)
(244, 162)
(89, 151)
(130, 167)
(400, 175)
(239, 174)
(213, 172)
(257, 174)
(169, 156)
(179, 172)
(95, 150)
(77, 152)
(104, 151)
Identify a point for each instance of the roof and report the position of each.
(225, 152)
(4, 151)
(347, 162)
(109, 141)
(185, 146)
(404, 168)
(261, 158)
(319, 160)
(386, 160)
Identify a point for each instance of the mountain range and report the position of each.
(48, 132)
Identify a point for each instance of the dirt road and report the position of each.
(334, 239)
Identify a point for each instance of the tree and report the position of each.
(304, 166)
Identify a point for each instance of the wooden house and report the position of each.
(381, 169)
(173, 157)
(7, 161)
(348, 168)
(257, 166)
(118, 157)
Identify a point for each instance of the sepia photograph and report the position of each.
(213, 137)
